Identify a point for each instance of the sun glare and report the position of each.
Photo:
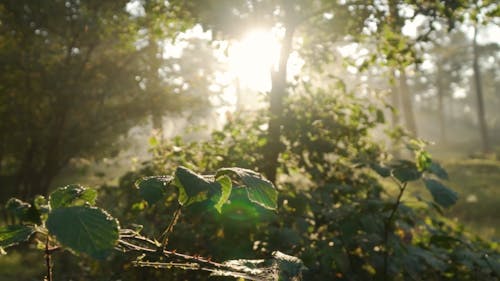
(252, 59)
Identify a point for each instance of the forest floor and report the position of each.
(477, 182)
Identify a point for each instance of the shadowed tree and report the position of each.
(72, 77)
(480, 13)
(481, 114)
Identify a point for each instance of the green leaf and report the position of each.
(88, 230)
(11, 235)
(192, 183)
(259, 190)
(222, 195)
(440, 193)
(153, 141)
(432, 259)
(192, 187)
(72, 195)
(42, 205)
(290, 267)
(405, 171)
(444, 241)
(380, 116)
(415, 145)
(17, 207)
(494, 264)
(23, 211)
(381, 170)
(437, 170)
(153, 189)
(424, 160)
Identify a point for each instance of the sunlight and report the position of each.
(252, 59)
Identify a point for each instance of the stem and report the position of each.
(48, 260)
(136, 243)
(141, 244)
(388, 227)
(170, 227)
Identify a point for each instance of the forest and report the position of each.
(265, 140)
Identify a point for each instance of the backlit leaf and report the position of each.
(88, 230)
(153, 189)
(17, 207)
(423, 160)
(72, 195)
(192, 187)
(11, 235)
(259, 190)
(222, 195)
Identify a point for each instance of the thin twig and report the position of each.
(48, 260)
(170, 227)
(398, 201)
(192, 266)
(130, 241)
(226, 271)
(144, 245)
(388, 228)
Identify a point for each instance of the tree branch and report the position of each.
(170, 227)
(388, 228)
(48, 260)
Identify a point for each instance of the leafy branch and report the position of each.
(70, 219)
(389, 225)
(48, 260)
(402, 172)
(170, 227)
(279, 266)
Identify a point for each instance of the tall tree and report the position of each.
(73, 79)
(401, 46)
(318, 24)
(481, 114)
(447, 53)
(481, 13)
(407, 103)
(308, 20)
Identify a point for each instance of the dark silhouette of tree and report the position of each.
(74, 78)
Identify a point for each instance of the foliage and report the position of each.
(73, 222)
(76, 76)
(477, 182)
(333, 212)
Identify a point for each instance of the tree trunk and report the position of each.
(406, 99)
(154, 84)
(1, 157)
(395, 105)
(24, 171)
(441, 113)
(276, 98)
(479, 94)
(157, 122)
(240, 106)
(395, 102)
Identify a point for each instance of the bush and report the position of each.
(334, 210)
